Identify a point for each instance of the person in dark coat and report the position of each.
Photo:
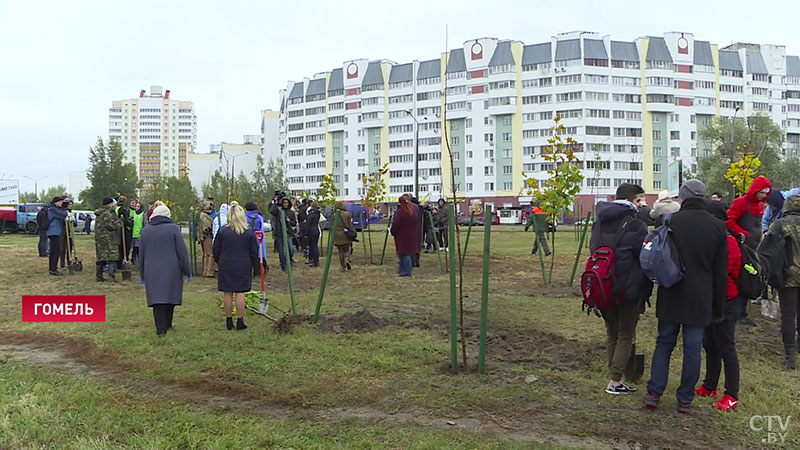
(236, 255)
(405, 229)
(340, 239)
(442, 222)
(415, 206)
(696, 301)
(41, 222)
(617, 221)
(312, 234)
(163, 262)
(291, 222)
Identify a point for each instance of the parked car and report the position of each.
(80, 220)
(463, 221)
(20, 218)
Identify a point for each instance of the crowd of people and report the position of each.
(706, 304)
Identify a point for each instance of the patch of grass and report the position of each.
(533, 329)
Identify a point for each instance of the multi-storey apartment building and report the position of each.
(635, 107)
(156, 132)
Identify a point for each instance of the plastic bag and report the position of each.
(770, 308)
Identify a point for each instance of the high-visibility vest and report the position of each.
(138, 223)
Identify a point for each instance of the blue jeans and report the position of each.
(659, 371)
(279, 243)
(405, 265)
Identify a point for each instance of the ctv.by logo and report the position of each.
(776, 428)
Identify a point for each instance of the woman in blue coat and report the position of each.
(236, 254)
(163, 262)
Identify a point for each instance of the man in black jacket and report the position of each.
(42, 223)
(291, 222)
(696, 301)
(616, 221)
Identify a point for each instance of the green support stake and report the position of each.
(386, 239)
(327, 268)
(436, 244)
(487, 235)
(364, 238)
(540, 249)
(453, 313)
(584, 229)
(288, 261)
(466, 241)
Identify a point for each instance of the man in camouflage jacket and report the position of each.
(204, 238)
(107, 238)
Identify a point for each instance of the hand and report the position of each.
(742, 238)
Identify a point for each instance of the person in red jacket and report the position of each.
(719, 340)
(744, 221)
(405, 229)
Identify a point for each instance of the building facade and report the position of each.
(228, 158)
(156, 132)
(634, 107)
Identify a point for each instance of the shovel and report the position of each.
(75, 264)
(634, 369)
(126, 271)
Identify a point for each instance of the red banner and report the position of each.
(63, 308)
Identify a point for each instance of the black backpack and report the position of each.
(774, 252)
(43, 219)
(752, 280)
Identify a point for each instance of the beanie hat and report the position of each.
(161, 210)
(692, 189)
(250, 206)
(57, 199)
(663, 194)
(717, 209)
(775, 199)
(107, 200)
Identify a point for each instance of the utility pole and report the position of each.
(416, 154)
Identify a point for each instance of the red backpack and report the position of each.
(597, 281)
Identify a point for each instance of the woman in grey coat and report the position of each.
(163, 262)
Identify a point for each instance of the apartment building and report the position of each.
(634, 107)
(157, 133)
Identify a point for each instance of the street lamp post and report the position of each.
(233, 168)
(416, 154)
(733, 142)
(35, 185)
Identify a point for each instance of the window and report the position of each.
(598, 113)
(597, 96)
(506, 84)
(656, 167)
(674, 135)
(568, 79)
(598, 131)
(502, 68)
(666, 65)
(731, 73)
(596, 79)
(488, 170)
(489, 186)
(656, 134)
(675, 152)
(506, 137)
(569, 96)
(601, 165)
(469, 171)
(488, 154)
(455, 140)
(507, 170)
(570, 113)
(704, 84)
(626, 81)
(656, 184)
(657, 151)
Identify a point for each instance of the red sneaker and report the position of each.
(701, 391)
(727, 403)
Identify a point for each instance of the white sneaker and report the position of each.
(619, 389)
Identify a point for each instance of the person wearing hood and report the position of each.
(405, 229)
(163, 263)
(312, 233)
(616, 221)
(719, 339)
(788, 228)
(124, 213)
(205, 238)
(442, 222)
(220, 221)
(254, 219)
(745, 217)
(663, 205)
(106, 239)
(56, 215)
(291, 221)
(774, 209)
(696, 301)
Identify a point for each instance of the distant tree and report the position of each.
(176, 192)
(266, 179)
(218, 187)
(757, 135)
(327, 192)
(28, 197)
(108, 174)
(54, 191)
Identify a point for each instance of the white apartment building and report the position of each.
(156, 132)
(634, 107)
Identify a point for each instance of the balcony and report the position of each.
(501, 105)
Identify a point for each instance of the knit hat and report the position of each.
(664, 194)
(107, 201)
(775, 199)
(250, 206)
(161, 210)
(717, 209)
(692, 189)
(57, 199)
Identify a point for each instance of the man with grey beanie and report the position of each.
(696, 301)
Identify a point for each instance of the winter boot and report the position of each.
(788, 358)
(229, 323)
(240, 324)
(99, 273)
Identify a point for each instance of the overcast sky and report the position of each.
(62, 63)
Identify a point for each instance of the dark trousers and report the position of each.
(692, 354)
(163, 317)
(281, 256)
(63, 250)
(43, 244)
(541, 237)
(743, 314)
(55, 251)
(313, 248)
(789, 300)
(720, 344)
(621, 323)
(442, 236)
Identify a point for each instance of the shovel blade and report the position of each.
(263, 306)
(79, 266)
(126, 275)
